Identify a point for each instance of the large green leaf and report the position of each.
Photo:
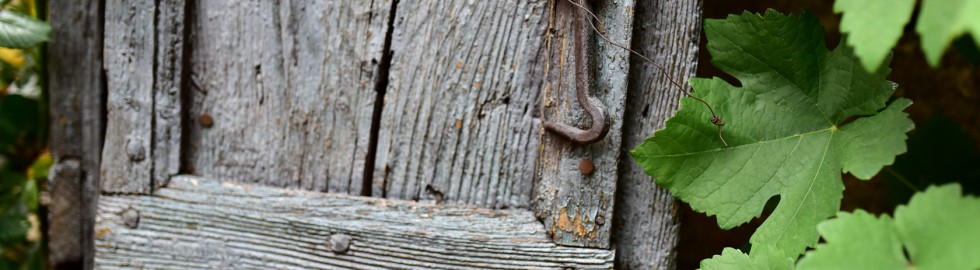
(939, 228)
(942, 21)
(873, 27)
(763, 257)
(857, 241)
(21, 31)
(789, 129)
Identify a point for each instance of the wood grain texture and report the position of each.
(460, 109)
(167, 90)
(290, 89)
(578, 208)
(196, 223)
(646, 228)
(66, 215)
(129, 66)
(77, 87)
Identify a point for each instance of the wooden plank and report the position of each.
(143, 59)
(286, 89)
(168, 89)
(577, 207)
(77, 88)
(459, 121)
(646, 216)
(66, 212)
(196, 223)
(129, 51)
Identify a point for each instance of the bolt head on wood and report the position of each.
(135, 150)
(586, 166)
(131, 218)
(339, 243)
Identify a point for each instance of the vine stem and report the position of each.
(714, 117)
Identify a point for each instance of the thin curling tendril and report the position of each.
(715, 120)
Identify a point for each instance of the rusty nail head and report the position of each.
(205, 120)
(586, 166)
(131, 218)
(339, 243)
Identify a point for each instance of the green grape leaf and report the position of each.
(942, 21)
(873, 27)
(763, 257)
(939, 228)
(21, 31)
(789, 129)
(856, 240)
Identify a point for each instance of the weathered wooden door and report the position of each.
(368, 134)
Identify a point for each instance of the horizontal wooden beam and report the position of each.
(198, 223)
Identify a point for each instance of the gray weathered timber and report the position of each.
(167, 90)
(646, 215)
(66, 212)
(289, 87)
(129, 51)
(143, 59)
(76, 88)
(460, 111)
(196, 223)
(578, 208)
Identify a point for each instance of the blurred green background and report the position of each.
(24, 158)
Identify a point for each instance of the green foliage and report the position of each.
(939, 228)
(21, 130)
(763, 257)
(850, 234)
(21, 31)
(24, 162)
(788, 129)
(13, 210)
(874, 26)
(942, 21)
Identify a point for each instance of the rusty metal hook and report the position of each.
(600, 125)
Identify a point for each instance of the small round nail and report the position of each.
(586, 166)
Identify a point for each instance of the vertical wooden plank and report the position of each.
(285, 89)
(131, 59)
(66, 212)
(577, 208)
(77, 87)
(459, 122)
(646, 216)
(167, 90)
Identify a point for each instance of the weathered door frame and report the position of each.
(646, 226)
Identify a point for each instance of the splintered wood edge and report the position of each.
(201, 223)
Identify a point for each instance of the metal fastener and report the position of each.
(586, 166)
(131, 218)
(135, 150)
(339, 243)
(205, 120)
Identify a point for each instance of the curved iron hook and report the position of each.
(600, 125)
